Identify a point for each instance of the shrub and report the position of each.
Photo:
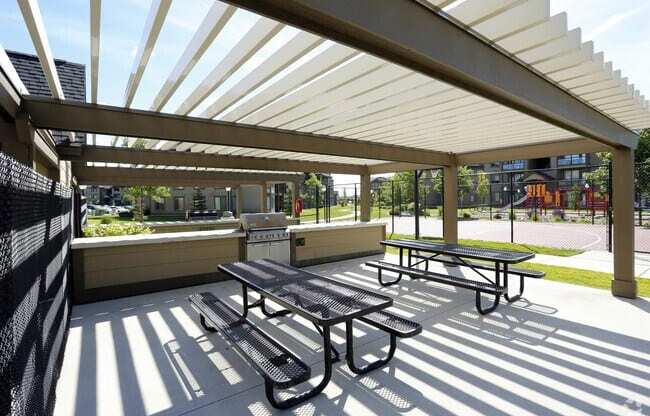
(108, 230)
(439, 209)
(466, 215)
(497, 216)
(106, 220)
(126, 214)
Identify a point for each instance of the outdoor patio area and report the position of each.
(563, 350)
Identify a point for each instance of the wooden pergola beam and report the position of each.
(101, 119)
(560, 148)
(397, 167)
(173, 158)
(90, 175)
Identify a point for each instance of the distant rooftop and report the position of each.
(71, 75)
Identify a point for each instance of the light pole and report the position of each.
(588, 196)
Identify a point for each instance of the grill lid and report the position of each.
(251, 222)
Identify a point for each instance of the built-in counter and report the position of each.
(159, 227)
(335, 241)
(109, 267)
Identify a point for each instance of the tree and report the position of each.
(598, 179)
(313, 183)
(137, 194)
(465, 183)
(483, 187)
(198, 200)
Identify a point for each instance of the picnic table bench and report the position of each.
(457, 255)
(322, 301)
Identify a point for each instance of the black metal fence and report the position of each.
(642, 207)
(567, 207)
(34, 287)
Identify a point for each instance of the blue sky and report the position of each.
(619, 28)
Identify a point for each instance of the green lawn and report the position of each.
(497, 245)
(335, 211)
(598, 280)
(94, 220)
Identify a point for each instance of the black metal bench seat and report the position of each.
(395, 326)
(479, 287)
(279, 367)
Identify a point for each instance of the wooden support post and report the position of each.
(624, 283)
(365, 197)
(450, 204)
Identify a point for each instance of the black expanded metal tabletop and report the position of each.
(316, 298)
(502, 256)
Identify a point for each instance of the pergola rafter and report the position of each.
(88, 175)
(134, 156)
(100, 119)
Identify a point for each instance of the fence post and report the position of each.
(609, 206)
(392, 207)
(355, 202)
(317, 203)
(416, 204)
(326, 204)
(378, 203)
(512, 211)
(490, 196)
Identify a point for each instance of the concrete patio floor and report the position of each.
(564, 350)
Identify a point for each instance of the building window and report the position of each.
(514, 165)
(179, 203)
(572, 174)
(220, 203)
(579, 159)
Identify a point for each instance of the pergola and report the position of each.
(360, 87)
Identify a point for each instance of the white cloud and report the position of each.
(613, 21)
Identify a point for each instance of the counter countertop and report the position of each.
(337, 225)
(129, 240)
(190, 223)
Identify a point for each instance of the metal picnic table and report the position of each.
(322, 301)
(460, 255)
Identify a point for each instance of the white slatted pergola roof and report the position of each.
(322, 90)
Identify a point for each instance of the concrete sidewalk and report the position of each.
(596, 260)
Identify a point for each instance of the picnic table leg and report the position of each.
(337, 356)
(497, 297)
(505, 283)
(292, 401)
(260, 303)
(205, 325)
(349, 355)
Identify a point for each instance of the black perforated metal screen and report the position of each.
(34, 294)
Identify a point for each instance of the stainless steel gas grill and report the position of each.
(267, 236)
